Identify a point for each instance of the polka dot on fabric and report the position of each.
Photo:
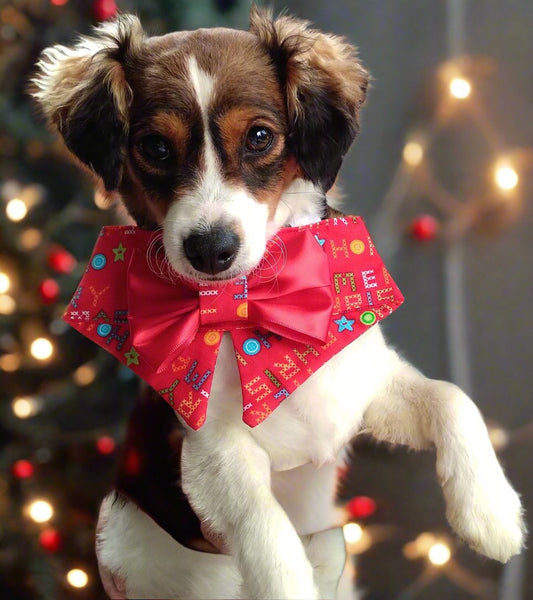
(357, 246)
(98, 262)
(368, 318)
(251, 347)
(242, 310)
(104, 329)
(211, 338)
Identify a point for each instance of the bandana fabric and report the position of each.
(317, 288)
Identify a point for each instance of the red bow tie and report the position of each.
(317, 288)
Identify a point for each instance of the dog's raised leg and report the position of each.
(226, 477)
(307, 495)
(481, 505)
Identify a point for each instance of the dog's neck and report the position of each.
(302, 203)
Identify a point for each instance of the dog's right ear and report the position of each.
(325, 86)
(84, 94)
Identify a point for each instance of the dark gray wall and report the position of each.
(402, 44)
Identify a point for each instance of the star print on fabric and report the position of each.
(132, 357)
(345, 324)
(119, 252)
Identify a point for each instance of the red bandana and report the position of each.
(317, 289)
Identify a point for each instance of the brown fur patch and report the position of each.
(314, 58)
(170, 126)
(241, 164)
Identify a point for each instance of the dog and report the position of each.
(220, 138)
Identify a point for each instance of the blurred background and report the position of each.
(442, 173)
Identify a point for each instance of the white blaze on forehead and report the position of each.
(203, 85)
(212, 201)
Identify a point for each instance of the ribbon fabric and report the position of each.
(317, 288)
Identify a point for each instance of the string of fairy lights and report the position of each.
(37, 349)
(495, 203)
(456, 216)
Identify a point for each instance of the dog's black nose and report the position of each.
(212, 251)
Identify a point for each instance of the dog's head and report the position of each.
(219, 136)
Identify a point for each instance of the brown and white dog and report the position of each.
(221, 137)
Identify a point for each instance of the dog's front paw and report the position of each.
(488, 516)
(326, 551)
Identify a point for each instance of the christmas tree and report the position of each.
(63, 404)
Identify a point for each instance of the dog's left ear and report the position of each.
(84, 94)
(325, 86)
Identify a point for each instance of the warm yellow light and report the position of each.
(499, 438)
(460, 88)
(40, 511)
(24, 407)
(41, 349)
(16, 209)
(9, 362)
(84, 375)
(30, 238)
(420, 546)
(352, 533)
(506, 177)
(7, 305)
(413, 153)
(77, 578)
(439, 554)
(5, 282)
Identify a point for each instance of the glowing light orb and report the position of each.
(9, 362)
(7, 305)
(30, 238)
(77, 578)
(5, 282)
(506, 177)
(413, 153)
(84, 374)
(16, 210)
(439, 554)
(41, 348)
(24, 407)
(40, 511)
(460, 88)
(352, 533)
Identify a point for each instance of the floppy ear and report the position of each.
(83, 92)
(325, 86)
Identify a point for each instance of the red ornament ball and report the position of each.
(50, 540)
(133, 462)
(61, 261)
(49, 291)
(361, 507)
(424, 228)
(105, 444)
(104, 9)
(22, 469)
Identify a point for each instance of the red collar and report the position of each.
(317, 289)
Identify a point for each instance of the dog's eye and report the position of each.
(155, 147)
(259, 139)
